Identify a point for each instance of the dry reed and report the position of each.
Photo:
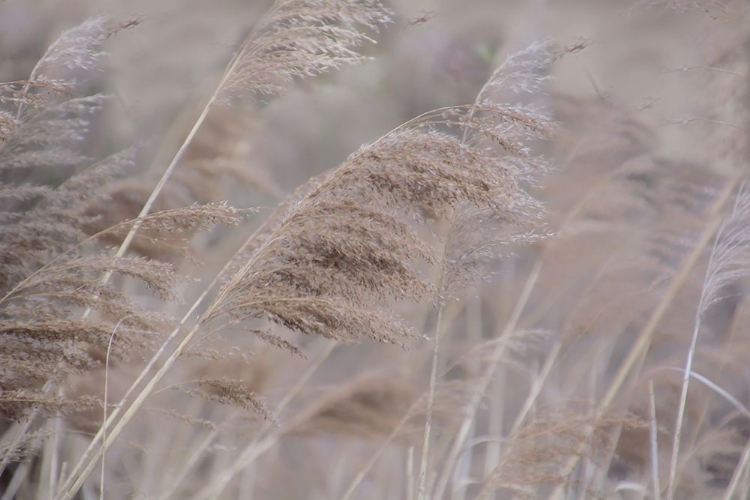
(534, 332)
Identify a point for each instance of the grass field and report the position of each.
(352, 249)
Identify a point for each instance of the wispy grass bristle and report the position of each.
(302, 38)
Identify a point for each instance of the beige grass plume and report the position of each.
(332, 262)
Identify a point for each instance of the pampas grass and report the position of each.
(490, 300)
